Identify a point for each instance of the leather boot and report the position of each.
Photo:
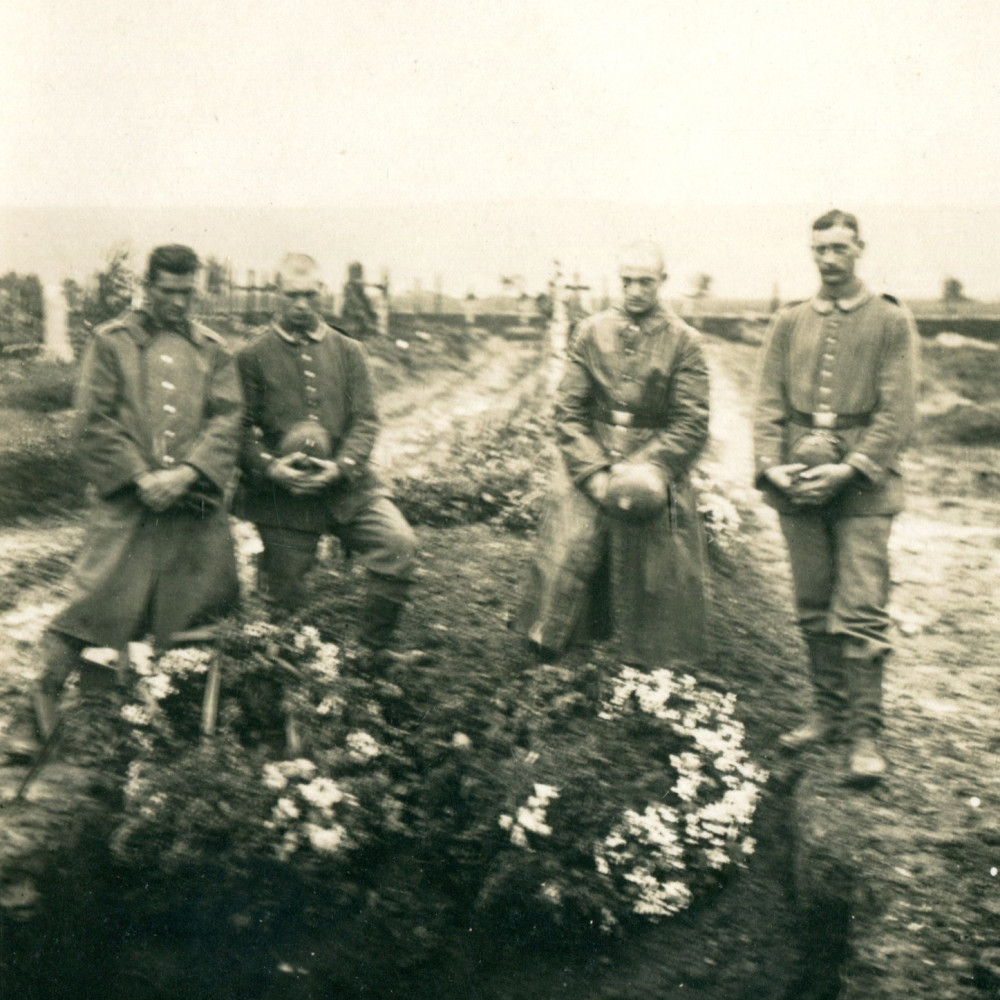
(379, 617)
(825, 722)
(61, 655)
(865, 763)
(36, 720)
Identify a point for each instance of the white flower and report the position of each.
(326, 660)
(301, 767)
(329, 705)
(136, 715)
(155, 688)
(321, 793)
(285, 809)
(533, 820)
(506, 821)
(273, 777)
(362, 746)
(326, 840)
(552, 893)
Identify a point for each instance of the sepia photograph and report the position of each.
(499, 501)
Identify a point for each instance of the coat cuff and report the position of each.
(866, 467)
(760, 479)
(584, 474)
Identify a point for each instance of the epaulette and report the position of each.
(792, 302)
(890, 298)
(208, 333)
(125, 323)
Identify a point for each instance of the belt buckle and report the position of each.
(824, 420)
(621, 418)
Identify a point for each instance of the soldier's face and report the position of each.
(640, 288)
(169, 297)
(298, 310)
(836, 252)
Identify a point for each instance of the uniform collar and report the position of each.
(825, 306)
(143, 328)
(316, 334)
(656, 318)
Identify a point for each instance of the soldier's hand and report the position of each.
(821, 483)
(596, 486)
(784, 477)
(162, 489)
(323, 473)
(288, 472)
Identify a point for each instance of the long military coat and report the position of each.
(593, 573)
(149, 399)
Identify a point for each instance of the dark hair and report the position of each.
(835, 217)
(174, 259)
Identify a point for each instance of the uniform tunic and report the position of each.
(856, 357)
(592, 573)
(148, 399)
(323, 377)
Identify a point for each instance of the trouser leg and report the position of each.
(60, 657)
(285, 563)
(829, 677)
(380, 538)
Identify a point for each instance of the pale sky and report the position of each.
(333, 102)
(692, 105)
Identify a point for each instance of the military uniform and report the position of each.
(150, 399)
(844, 374)
(633, 391)
(321, 376)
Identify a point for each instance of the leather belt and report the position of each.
(830, 421)
(626, 418)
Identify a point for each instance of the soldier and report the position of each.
(309, 429)
(158, 424)
(621, 543)
(357, 313)
(835, 409)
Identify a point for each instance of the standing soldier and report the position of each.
(159, 410)
(835, 408)
(621, 543)
(310, 426)
(357, 313)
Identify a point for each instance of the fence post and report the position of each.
(56, 335)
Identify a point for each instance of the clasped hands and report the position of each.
(303, 475)
(810, 487)
(162, 489)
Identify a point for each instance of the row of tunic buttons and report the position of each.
(310, 388)
(168, 459)
(826, 373)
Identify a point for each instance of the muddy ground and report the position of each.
(918, 912)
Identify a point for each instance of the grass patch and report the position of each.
(39, 470)
(37, 385)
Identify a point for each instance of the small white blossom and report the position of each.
(322, 793)
(326, 840)
(273, 778)
(362, 746)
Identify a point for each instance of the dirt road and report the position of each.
(928, 842)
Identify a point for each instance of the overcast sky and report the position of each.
(383, 102)
(300, 102)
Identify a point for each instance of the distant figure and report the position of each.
(835, 409)
(575, 314)
(357, 314)
(309, 429)
(620, 545)
(158, 428)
